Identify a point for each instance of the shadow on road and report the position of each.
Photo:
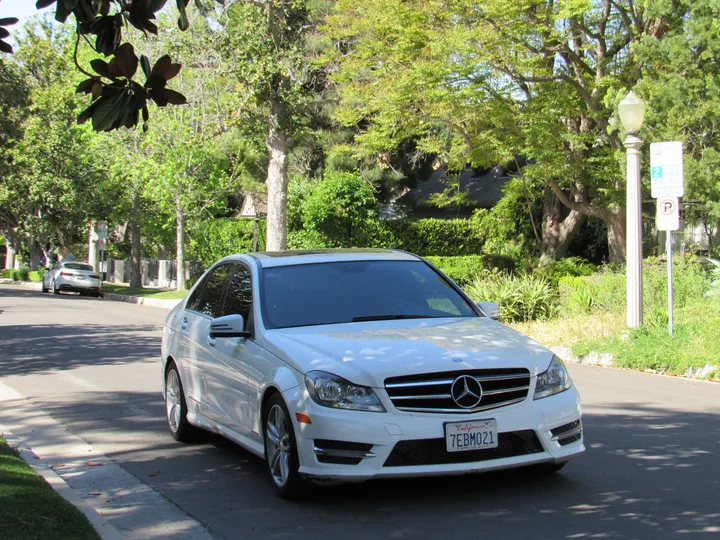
(648, 473)
(40, 348)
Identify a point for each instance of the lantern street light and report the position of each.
(632, 112)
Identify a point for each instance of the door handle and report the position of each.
(184, 323)
(211, 341)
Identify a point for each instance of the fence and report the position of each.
(154, 272)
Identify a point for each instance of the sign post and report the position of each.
(102, 232)
(667, 183)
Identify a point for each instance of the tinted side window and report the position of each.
(238, 299)
(208, 296)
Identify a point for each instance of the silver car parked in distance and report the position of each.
(72, 276)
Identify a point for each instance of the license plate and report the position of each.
(473, 435)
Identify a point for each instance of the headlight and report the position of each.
(553, 381)
(332, 391)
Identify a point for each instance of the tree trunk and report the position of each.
(180, 217)
(616, 225)
(10, 250)
(93, 257)
(135, 246)
(277, 179)
(36, 253)
(557, 232)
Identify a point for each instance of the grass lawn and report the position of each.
(694, 345)
(30, 508)
(160, 294)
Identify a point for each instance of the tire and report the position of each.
(44, 288)
(281, 456)
(55, 290)
(176, 408)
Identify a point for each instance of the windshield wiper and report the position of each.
(389, 317)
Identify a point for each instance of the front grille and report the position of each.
(568, 433)
(431, 392)
(434, 451)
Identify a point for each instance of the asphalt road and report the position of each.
(651, 470)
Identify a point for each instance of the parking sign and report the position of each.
(668, 214)
(666, 169)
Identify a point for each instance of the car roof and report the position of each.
(272, 259)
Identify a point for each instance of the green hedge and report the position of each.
(437, 237)
(217, 238)
(17, 275)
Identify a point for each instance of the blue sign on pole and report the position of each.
(657, 172)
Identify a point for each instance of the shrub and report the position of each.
(606, 290)
(569, 266)
(522, 297)
(37, 275)
(213, 239)
(22, 275)
(462, 270)
(338, 208)
(9, 273)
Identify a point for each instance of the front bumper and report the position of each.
(532, 420)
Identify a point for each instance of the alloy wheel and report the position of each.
(277, 439)
(173, 396)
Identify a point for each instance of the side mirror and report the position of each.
(229, 326)
(490, 309)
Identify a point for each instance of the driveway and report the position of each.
(651, 470)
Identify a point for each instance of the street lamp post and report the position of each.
(632, 112)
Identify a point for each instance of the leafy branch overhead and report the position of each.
(118, 100)
(4, 46)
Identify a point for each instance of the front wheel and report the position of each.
(281, 453)
(176, 408)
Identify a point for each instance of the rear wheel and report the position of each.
(281, 454)
(176, 408)
(55, 290)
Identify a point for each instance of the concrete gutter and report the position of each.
(99, 523)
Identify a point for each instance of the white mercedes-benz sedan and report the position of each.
(340, 366)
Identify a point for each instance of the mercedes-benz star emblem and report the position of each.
(466, 391)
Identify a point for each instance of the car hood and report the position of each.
(368, 353)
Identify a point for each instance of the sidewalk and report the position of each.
(118, 504)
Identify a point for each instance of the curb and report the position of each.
(141, 301)
(99, 523)
(138, 300)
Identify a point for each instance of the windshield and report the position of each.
(343, 292)
(78, 266)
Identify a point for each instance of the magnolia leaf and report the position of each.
(8, 21)
(4, 33)
(101, 68)
(183, 23)
(172, 71)
(107, 111)
(127, 60)
(40, 4)
(145, 63)
(5, 47)
(175, 98)
(162, 66)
